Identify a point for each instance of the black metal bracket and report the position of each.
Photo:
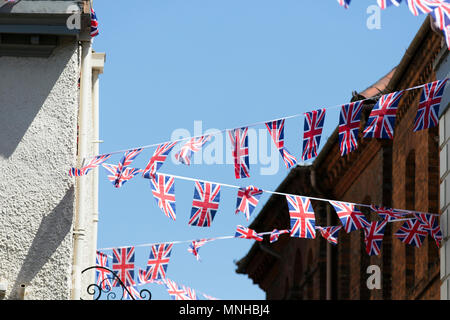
(97, 291)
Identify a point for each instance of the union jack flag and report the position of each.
(412, 232)
(428, 110)
(275, 234)
(349, 119)
(383, 4)
(351, 218)
(381, 120)
(74, 172)
(126, 160)
(422, 6)
(441, 15)
(276, 131)
(312, 132)
(209, 297)
(94, 163)
(247, 233)
(247, 200)
(195, 245)
(163, 189)
(158, 261)
(131, 293)
(175, 292)
(205, 204)
(190, 293)
(302, 217)
(388, 213)
(103, 280)
(193, 145)
(143, 276)
(239, 143)
(94, 24)
(344, 3)
(157, 159)
(127, 174)
(123, 266)
(330, 233)
(431, 224)
(373, 236)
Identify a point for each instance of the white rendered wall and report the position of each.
(38, 128)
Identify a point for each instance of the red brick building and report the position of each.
(399, 173)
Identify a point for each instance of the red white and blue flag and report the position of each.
(193, 145)
(351, 218)
(195, 245)
(157, 159)
(102, 275)
(127, 174)
(422, 6)
(94, 24)
(302, 217)
(93, 163)
(373, 236)
(428, 111)
(123, 266)
(205, 204)
(312, 132)
(131, 293)
(247, 200)
(412, 232)
(175, 292)
(123, 164)
(239, 147)
(441, 15)
(158, 261)
(143, 277)
(275, 234)
(190, 293)
(276, 131)
(344, 3)
(330, 233)
(389, 214)
(349, 120)
(163, 190)
(383, 4)
(381, 120)
(431, 224)
(247, 233)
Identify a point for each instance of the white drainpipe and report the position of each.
(98, 60)
(83, 152)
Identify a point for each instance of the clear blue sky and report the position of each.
(225, 63)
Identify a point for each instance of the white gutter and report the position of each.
(98, 60)
(79, 231)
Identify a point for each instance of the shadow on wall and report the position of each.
(25, 85)
(52, 231)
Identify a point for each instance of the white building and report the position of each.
(48, 123)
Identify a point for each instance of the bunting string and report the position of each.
(283, 193)
(225, 130)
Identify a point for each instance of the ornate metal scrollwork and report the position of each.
(97, 290)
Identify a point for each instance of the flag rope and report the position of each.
(206, 239)
(249, 125)
(289, 194)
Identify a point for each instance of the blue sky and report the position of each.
(224, 64)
